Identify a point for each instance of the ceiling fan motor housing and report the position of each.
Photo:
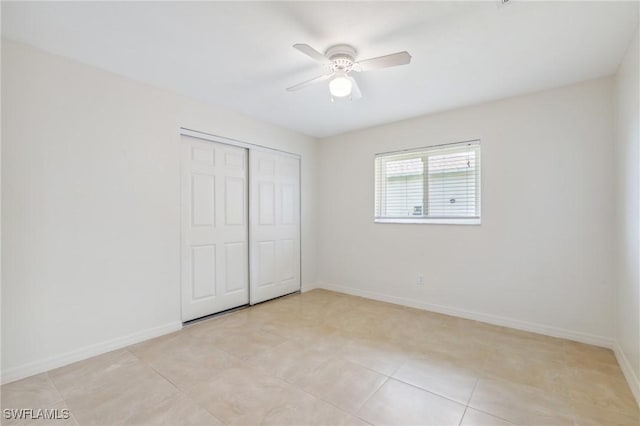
(342, 57)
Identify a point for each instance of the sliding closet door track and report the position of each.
(215, 315)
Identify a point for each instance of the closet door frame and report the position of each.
(250, 147)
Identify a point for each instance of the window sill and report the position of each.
(432, 221)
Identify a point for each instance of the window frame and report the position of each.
(426, 151)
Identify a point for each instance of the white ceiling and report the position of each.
(238, 54)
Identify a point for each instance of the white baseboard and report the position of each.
(577, 336)
(47, 364)
(627, 370)
(308, 287)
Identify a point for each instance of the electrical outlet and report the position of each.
(420, 279)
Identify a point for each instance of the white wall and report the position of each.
(627, 165)
(90, 195)
(541, 260)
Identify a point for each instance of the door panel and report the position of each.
(275, 225)
(266, 203)
(203, 200)
(214, 227)
(234, 200)
(287, 248)
(288, 210)
(236, 267)
(203, 278)
(265, 260)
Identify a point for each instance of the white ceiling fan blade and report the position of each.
(355, 89)
(309, 82)
(392, 60)
(312, 53)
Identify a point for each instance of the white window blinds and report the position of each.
(439, 184)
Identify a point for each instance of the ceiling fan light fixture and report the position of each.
(340, 85)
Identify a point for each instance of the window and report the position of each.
(439, 184)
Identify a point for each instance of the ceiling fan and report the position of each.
(340, 61)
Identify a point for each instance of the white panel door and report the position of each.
(214, 228)
(274, 233)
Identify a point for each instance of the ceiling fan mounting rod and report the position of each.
(340, 51)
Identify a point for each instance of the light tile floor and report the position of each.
(323, 358)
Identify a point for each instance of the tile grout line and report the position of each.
(475, 385)
(464, 413)
(468, 401)
(180, 391)
(483, 410)
(387, 378)
(369, 398)
(402, 364)
(321, 399)
(338, 357)
(253, 368)
(55, 388)
(428, 391)
(364, 366)
(62, 399)
(296, 386)
(492, 414)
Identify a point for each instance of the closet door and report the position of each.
(214, 228)
(274, 232)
